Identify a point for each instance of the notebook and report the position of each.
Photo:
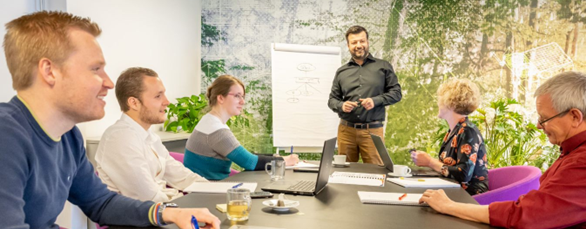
(424, 183)
(302, 164)
(304, 187)
(217, 187)
(369, 179)
(388, 162)
(390, 198)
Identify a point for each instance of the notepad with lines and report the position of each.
(370, 179)
(302, 164)
(217, 187)
(424, 183)
(390, 198)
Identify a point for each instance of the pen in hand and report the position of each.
(238, 185)
(194, 224)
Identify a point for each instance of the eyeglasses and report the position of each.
(542, 122)
(238, 96)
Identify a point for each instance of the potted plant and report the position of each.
(185, 114)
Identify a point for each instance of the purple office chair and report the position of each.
(508, 183)
(180, 156)
(177, 156)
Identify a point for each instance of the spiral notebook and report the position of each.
(217, 187)
(390, 198)
(369, 179)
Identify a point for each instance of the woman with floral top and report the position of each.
(462, 154)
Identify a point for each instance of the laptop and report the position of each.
(305, 187)
(388, 162)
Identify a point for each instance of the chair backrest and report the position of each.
(233, 172)
(177, 156)
(508, 183)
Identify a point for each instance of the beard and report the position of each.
(362, 56)
(150, 117)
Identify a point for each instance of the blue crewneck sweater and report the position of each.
(37, 175)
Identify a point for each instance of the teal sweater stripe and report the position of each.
(218, 169)
(208, 167)
(243, 158)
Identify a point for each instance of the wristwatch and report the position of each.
(162, 208)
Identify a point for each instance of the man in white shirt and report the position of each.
(130, 158)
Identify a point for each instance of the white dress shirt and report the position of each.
(135, 163)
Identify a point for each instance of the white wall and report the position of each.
(9, 10)
(162, 35)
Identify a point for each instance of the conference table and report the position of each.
(337, 206)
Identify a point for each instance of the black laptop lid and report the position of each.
(325, 165)
(382, 151)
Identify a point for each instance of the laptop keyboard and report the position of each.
(303, 186)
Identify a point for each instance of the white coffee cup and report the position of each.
(401, 170)
(339, 159)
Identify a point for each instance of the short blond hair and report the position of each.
(460, 95)
(40, 35)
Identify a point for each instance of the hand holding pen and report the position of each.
(291, 160)
(348, 106)
(188, 218)
(194, 223)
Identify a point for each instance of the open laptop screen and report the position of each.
(325, 164)
(382, 151)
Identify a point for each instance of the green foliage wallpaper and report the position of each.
(507, 47)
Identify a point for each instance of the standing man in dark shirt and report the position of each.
(360, 91)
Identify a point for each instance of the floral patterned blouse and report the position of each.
(464, 156)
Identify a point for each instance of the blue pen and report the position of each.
(194, 224)
(238, 185)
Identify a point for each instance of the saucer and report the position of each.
(396, 175)
(345, 164)
(288, 204)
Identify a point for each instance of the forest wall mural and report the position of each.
(507, 47)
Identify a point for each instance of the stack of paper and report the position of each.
(369, 179)
(424, 183)
(390, 198)
(302, 164)
(217, 187)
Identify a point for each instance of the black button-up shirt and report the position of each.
(375, 79)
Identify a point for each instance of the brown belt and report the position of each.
(376, 124)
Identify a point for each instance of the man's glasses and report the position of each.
(238, 96)
(542, 122)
